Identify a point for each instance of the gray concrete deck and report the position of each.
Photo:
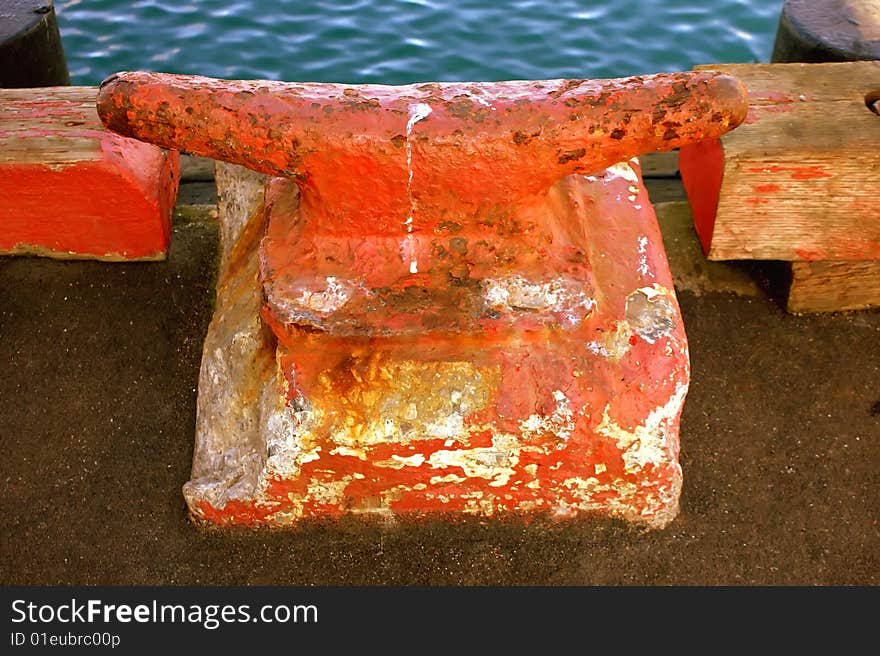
(98, 367)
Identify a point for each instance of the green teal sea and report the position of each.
(403, 41)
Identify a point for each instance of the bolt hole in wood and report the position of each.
(872, 100)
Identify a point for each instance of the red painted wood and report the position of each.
(702, 170)
(70, 188)
(797, 181)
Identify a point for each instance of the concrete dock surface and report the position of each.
(98, 368)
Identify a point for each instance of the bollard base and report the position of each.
(553, 418)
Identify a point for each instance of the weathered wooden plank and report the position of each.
(798, 181)
(71, 189)
(830, 286)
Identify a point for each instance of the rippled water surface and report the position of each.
(402, 41)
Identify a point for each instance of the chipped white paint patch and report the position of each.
(299, 303)
(408, 252)
(559, 424)
(417, 112)
(558, 295)
(360, 454)
(582, 489)
(329, 492)
(617, 497)
(653, 291)
(450, 426)
(285, 425)
(643, 267)
(284, 453)
(328, 300)
(495, 463)
(484, 103)
(583, 484)
(651, 312)
(614, 343)
(449, 478)
(622, 170)
(399, 462)
(647, 443)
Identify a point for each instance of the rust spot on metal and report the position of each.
(569, 85)
(570, 155)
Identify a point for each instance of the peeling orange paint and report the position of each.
(515, 417)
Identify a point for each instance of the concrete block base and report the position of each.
(568, 417)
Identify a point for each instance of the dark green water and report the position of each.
(402, 41)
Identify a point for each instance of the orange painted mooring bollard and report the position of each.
(457, 301)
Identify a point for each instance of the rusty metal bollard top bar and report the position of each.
(498, 144)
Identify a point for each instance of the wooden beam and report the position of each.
(71, 189)
(831, 286)
(798, 181)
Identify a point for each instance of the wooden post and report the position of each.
(798, 180)
(31, 54)
(816, 31)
